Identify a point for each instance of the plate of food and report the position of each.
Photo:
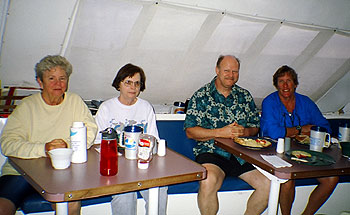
(302, 139)
(309, 157)
(252, 142)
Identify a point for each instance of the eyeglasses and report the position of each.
(129, 83)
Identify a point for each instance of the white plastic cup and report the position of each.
(318, 136)
(60, 158)
(280, 145)
(161, 147)
(129, 139)
(344, 134)
(78, 142)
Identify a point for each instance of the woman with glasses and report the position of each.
(286, 113)
(124, 110)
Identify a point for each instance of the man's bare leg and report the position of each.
(258, 200)
(7, 207)
(320, 194)
(207, 198)
(287, 195)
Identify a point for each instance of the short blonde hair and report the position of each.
(51, 61)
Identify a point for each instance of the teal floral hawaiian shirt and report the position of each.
(209, 109)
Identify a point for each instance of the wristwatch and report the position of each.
(299, 129)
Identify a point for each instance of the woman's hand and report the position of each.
(55, 144)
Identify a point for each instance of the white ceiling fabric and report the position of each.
(176, 45)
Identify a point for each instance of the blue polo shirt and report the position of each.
(275, 118)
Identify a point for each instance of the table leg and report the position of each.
(62, 208)
(274, 197)
(275, 185)
(153, 200)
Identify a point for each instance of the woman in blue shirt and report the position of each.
(286, 113)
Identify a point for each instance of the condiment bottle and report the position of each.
(280, 145)
(161, 148)
(109, 153)
(145, 150)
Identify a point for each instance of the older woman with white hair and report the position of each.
(39, 124)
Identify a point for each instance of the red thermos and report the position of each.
(109, 153)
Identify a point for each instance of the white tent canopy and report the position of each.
(178, 42)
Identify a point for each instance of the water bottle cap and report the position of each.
(179, 104)
(109, 134)
(142, 165)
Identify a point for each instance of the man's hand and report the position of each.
(306, 129)
(55, 144)
(240, 131)
(231, 130)
(237, 129)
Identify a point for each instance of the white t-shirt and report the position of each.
(112, 113)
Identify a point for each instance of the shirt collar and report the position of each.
(212, 87)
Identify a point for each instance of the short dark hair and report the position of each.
(221, 57)
(129, 70)
(285, 70)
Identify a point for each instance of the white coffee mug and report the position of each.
(319, 138)
(129, 139)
